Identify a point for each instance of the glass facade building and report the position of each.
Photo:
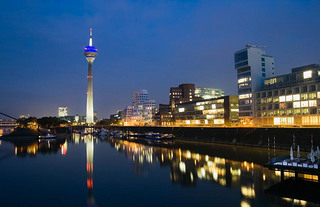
(291, 99)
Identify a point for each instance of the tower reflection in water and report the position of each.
(187, 168)
(89, 140)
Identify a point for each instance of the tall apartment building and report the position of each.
(252, 66)
(181, 94)
(62, 111)
(291, 99)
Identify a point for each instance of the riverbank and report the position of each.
(279, 138)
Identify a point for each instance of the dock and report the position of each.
(296, 165)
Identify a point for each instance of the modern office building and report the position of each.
(221, 111)
(208, 93)
(90, 52)
(181, 94)
(291, 99)
(252, 66)
(62, 111)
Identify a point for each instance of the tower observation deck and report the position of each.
(90, 52)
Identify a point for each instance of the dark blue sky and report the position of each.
(142, 44)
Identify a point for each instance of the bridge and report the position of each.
(8, 123)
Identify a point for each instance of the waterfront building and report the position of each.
(90, 52)
(252, 66)
(290, 99)
(62, 111)
(182, 93)
(118, 117)
(142, 110)
(222, 111)
(164, 116)
(127, 114)
(208, 93)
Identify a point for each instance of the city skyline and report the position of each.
(145, 45)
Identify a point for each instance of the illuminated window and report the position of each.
(276, 120)
(296, 97)
(296, 104)
(318, 94)
(304, 111)
(187, 121)
(242, 80)
(289, 98)
(296, 111)
(201, 107)
(282, 98)
(270, 81)
(307, 74)
(205, 121)
(312, 103)
(283, 120)
(312, 95)
(209, 116)
(243, 85)
(214, 106)
(248, 95)
(304, 96)
(181, 109)
(218, 121)
(197, 122)
(304, 103)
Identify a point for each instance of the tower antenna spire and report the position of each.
(90, 40)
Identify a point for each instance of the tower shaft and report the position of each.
(89, 115)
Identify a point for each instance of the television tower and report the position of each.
(90, 52)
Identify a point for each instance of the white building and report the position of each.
(253, 66)
(142, 110)
(62, 111)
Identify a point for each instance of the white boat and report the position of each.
(47, 136)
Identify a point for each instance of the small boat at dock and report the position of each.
(47, 136)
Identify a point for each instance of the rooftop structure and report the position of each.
(208, 93)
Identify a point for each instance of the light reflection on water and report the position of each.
(187, 165)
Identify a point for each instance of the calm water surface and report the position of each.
(87, 171)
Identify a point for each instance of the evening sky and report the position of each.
(141, 44)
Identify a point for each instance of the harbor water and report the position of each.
(88, 171)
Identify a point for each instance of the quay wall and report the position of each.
(280, 138)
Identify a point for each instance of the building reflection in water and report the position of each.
(187, 168)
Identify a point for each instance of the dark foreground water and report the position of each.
(86, 171)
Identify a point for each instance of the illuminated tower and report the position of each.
(90, 52)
